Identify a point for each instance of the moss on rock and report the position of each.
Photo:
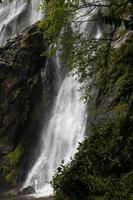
(12, 162)
(20, 78)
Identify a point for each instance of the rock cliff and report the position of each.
(20, 89)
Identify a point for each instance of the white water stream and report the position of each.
(67, 125)
(15, 15)
(60, 140)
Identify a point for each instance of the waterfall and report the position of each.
(60, 140)
(16, 15)
(65, 129)
(67, 125)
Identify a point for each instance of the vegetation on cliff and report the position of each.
(81, 50)
(102, 169)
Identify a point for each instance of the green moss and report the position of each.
(11, 177)
(14, 156)
(23, 42)
(11, 165)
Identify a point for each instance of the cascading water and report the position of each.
(67, 125)
(60, 140)
(65, 129)
(16, 15)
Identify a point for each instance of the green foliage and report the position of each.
(58, 14)
(102, 169)
(81, 52)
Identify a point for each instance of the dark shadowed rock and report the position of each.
(27, 190)
(20, 82)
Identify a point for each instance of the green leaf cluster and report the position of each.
(102, 168)
(58, 13)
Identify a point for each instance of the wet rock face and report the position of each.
(20, 66)
(19, 74)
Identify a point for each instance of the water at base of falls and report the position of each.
(46, 191)
(59, 142)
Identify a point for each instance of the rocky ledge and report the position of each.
(20, 83)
